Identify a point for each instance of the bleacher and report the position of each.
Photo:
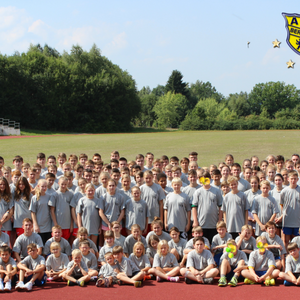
(9, 127)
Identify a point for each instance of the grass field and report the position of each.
(211, 145)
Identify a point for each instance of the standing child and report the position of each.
(285, 175)
(8, 268)
(225, 172)
(225, 188)
(243, 185)
(162, 181)
(271, 172)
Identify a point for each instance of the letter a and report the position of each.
(294, 20)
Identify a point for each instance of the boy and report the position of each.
(62, 158)
(115, 155)
(243, 185)
(261, 266)
(89, 258)
(279, 162)
(200, 264)
(17, 162)
(108, 272)
(38, 170)
(129, 272)
(114, 163)
(122, 163)
(32, 269)
(291, 276)
(31, 179)
(83, 158)
(25, 169)
(149, 161)
(77, 271)
(116, 175)
(95, 179)
(184, 164)
(96, 157)
(216, 177)
(176, 172)
(275, 244)
(78, 170)
(71, 187)
(28, 237)
(82, 234)
(174, 161)
(290, 206)
(162, 181)
(219, 241)
(89, 165)
(225, 188)
(231, 267)
(56, 263)
(245, 241)
(119, 239)
(178, 209)
(8, 268)
(50, 178)
(109, 240)
(139, 160)
(206, 208)
(57, 237)
(193, 156)
(235, 208)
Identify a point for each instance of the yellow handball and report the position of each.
(204, 181)
(230, 255)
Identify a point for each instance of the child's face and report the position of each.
(193, 157)
(111, 187)
(155, 176)
(28, 227)
(236, 171)
(136, 194)
(140, 162)
(51, 162)
(199, 246)
(109, 241)
(248, 234)
(125, 172)
(233, 186)
(247, 174)
(262, 177)
(254, 161)
(294, 252)
(88, 176)
(32, 252)
(5, 256)
(225, 172)
(265, 189)
(90, 193)
(122, 164)
(126, 182)
(77, 259)
(254, 184)
(290, 167)
(264, 166)
(149, 159)
(184, 164)
(164, 250)
(61, 161)
(116, 228)
(15, 179)
(21, 186)
(70, 181)
(98, 168)
(154, 244)
(193, 167)
(247, 164)
(139, 251)
(53, 171)
(6, 174)
(148, 179)
(95, 178)
(216, 178)
(285, 175)
(84, 249)
(176, 174)
(55, 250)
(293, 180)
(114, 156)
(271, 161)
(158, 165)
(38, 172)
(165, 162)
(2, 186)
(162, 182)
(82, 236)
(176, 186)
(56, 233)
(279, 164)
(225, 189)
(50, 182)
(110, 260)
(82, 185)
(271, 173)
(89, 166)
(116, 176)
(278, 181)
(192, 178)
(17, 164)
(63, 185)
(271, 230)
(43, 186)
(118, 256)
(139, 179)
(104, 180)
(25, 170)
(168, 173)
(82, 160)
(114, 165)
(96, 159)
(229, 161)
(174, 163)
(157, 229)
(136, 233)
(221, 231)
(174, 235)
(197, 233)
(73, 162)
(79, 173)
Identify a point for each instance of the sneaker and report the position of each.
(248, 281)
(1, 286)
(208, 280)
(99, 282)
(80, 283)
(119, 282)
(222, 281)
(233, 282)
(188, 280)
(50, 279)
(272, 281)
(28, 286)
(174, 279)
(19, 286)
(106, 282)
(137, 283)
(158, 279)
(71, 283)
(147, 277)
(267, 282)
(7, 287)
(94, 278)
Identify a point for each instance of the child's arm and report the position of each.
(272, 218)
(23, 267)
(121, 216)
(166, 220)
(69, 273)
(7, 216)
(203, 272)
(261, 225)
(282, 261)
(161, 210)
(188, 225)
(146, 227)
(220, 214)
(195, 216)
(53, 216)
(239, 243)
(36, 226)
(79, 221)
(294, 279)
(103, 217)
(224, 217)
(146, 269)
(82, 270)
(268, 273)
(246, 217)
(39, 269)
(194, 271)
(73, 214)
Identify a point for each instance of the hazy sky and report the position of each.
(205, 40)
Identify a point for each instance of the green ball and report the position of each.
(228, 249)
(230, 255)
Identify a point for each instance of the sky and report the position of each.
(204, 40)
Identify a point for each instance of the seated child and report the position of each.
(177, 245)
(116, 228)
(129, 272)
(89, 258)
(135, 236)
(165, 265)
(32, 269)
(230, 268)
(275, 244)
(245, 241)
(200, 266)
(108, 272)
(152, 247)
(8, 268)
(219, 241)
(291, 276)
(108, 247)
(77, 270)
(261, 266)
(56, 262)
(82, 235)
(141, 259)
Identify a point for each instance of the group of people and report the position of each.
(79, 220)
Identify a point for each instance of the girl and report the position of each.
(6, 206)
(254, 161)
(40, 211)
(247, 173)
(104, 177)
(263, 165)
(225, 171)
(251, 194)
(261, 176)
(141, 259)
(229, 160)
(88, 213)
(177, 244)
(157, 229)
(22, 197)
(6, 171)
(152, 247)
(165, 264)
(271, 171)
(284, 173)
(139, 178)
(135, 236)
(246, 164)
(271, 159)
(126, 186)
(255, 170)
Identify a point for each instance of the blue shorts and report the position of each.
(277, 257)
(37, 281)
(260, 273)
(231, 274)
(291, 231)
(217, 258)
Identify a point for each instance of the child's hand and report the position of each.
(195, 223)
(36, 228)
(262, 278)
(117, 270)
(201, 273)
(262, 227)
(242, 234)
(166, 227)
(144, 232)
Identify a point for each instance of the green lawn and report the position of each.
(211, 145)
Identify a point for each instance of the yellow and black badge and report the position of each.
(292, 25)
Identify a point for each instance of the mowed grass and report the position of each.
(212, 146)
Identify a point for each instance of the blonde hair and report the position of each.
(55, 244)
(76, 252)
(160, 244)
(176, 180)
(88, 186)
(265, 182)
(136, 245)
(232, 179)
(38, 189)
(260, 238)
(221, 224)
(247, 226)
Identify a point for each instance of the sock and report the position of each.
(169, 277)
(222, 275)
(236, 276)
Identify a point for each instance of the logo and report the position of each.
(292, 25)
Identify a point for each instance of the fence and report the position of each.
(8, 127)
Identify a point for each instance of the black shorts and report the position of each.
(209, 233)
(134, 273)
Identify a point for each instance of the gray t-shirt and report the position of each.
(4, 239)
(296, 240)
(190, 192)
(77, 271)
(141, 262)
(100, 191)
(167, 261)
(251, 195)
(247, 245)
(91, 261)
(190, 244)
(201, 260)
(23, 241)
(240, 255)
(74, 203)
(64, 244)
(104, 250)
(164, 236)
(292, 265)
(32, 263)
(4, 207)
(130, 241)
(152, 195)
(243, 185)
(235, 206)
(10, 261)
(136, 212)
(21, 211)
(277, 196)
(261, 262)
(57, 264)
(218, 241)
(207, 203)
(108, 270)
(127, 266)
(275, 241)
(120, 241)
(76, 242)
(177, 206)
(178, 246)
(151, 252)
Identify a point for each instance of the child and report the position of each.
(139, 178)
(152, 247)
(219, 241)
(157, 229)
(279, 162)
(116, 229)
(165, 265)
(271, 159)
(82, 235)
(108, 272)
(149, 161)
(71, 187)
(4, 237)
(225, 171)
(6, 173)
(8, 268)
(243, 185)
(6, 206)
(135, 236)
(184, 164)
(88, 214)
(17, 162)
(177, 244)
(40, 211)
(292, 266)
(246, 242)
(271, 171)
(89, 258)
(61, 158)
(137, 211)
(77, 271)
(178, 209)
(104, 177)
(247, 173)
(225, 188)
(32, 269)
(126, 186)
(229, 160)
(50, 178)
(261, 266)
(141, 259)
(56, 263)
(275, 244)
(116, 175)
(168, 172)
(200, 264)
(254, 161)
(25, 169)
(216, 177)
(232, 267)
(60, 208)
(162, 181)
(129, 272)
(176, 173)
(109, 245)
(78, 170)
(264, 208)
(263, 165)
(235, 208)
(57, 237)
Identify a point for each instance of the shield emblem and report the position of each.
(292, 25)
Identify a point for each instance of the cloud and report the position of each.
(271, 56)
(119, 42)
(39, 28)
